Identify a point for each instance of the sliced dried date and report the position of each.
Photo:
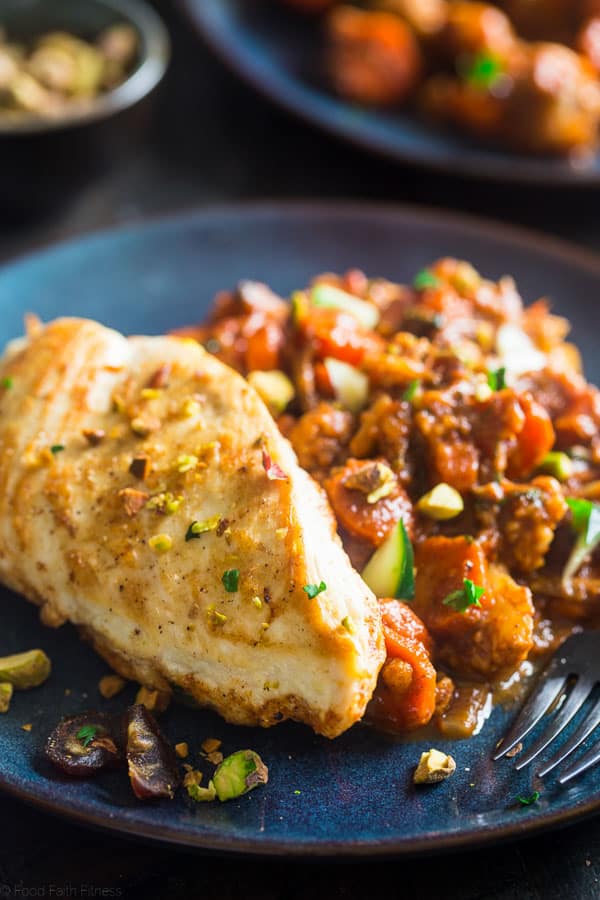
(151, 760)
(85, 744)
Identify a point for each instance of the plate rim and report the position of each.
(518, 169)
(569, 253)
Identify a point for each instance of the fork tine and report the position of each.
(585, 729)
(588, 760)
(539, 700)
(579, 694)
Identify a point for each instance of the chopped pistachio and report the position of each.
(441, 503)
(133, 501)
(216, 757)
(209, 745)
(155, 701)
(56, 448)
(111, 685)
(196, 529)
(151, 393)
(25, 670)
(93, 436)
(200, 794)
(143, 426)
(186, 462)
(257, 602)
(161, 543)
(238, 774)
(434, 766)
(190, 408)
(216, 617)
(6, 692)
(165, 503)
(182, 750)
(374, 479)
(7, 382)
(348, 624)
(557, 464)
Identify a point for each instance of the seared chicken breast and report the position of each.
(147, 496)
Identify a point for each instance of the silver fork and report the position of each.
(562, 689)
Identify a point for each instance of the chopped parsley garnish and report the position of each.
(496, 378)
(7, 382)
(425, 279)
(86, 734)
(586, 524)
(484, 71)
(411, 390)
(57, 448)
(231, 580)
(197, 529)
(313, 590)
(460, 601)
(532, 798)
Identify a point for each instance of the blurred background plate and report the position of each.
(278, 51)
(348, 797)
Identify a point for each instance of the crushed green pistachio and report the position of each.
(56, 448)
(216, 617)
(161, 542)
(7, 382)
(348, 624)
(165, 503)
(196, 529)
(190, 408)
(186, 462)
(238, 774)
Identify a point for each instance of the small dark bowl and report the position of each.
(44, 162)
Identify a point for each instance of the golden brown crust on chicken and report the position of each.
(90, 541)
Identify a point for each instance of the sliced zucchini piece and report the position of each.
(274, 388)
(351, 386)
(390, 571)
(327, 295)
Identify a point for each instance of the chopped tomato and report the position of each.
(338, 334)
(534, 440)
(369, 521)
(405, 696)
(264, 347)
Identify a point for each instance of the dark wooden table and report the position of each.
(213, 141)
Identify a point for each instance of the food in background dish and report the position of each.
(58, 72)
(148, 497)
(451, 428)
(519, 74)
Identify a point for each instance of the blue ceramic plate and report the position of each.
(352, 796)
(278, 51)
